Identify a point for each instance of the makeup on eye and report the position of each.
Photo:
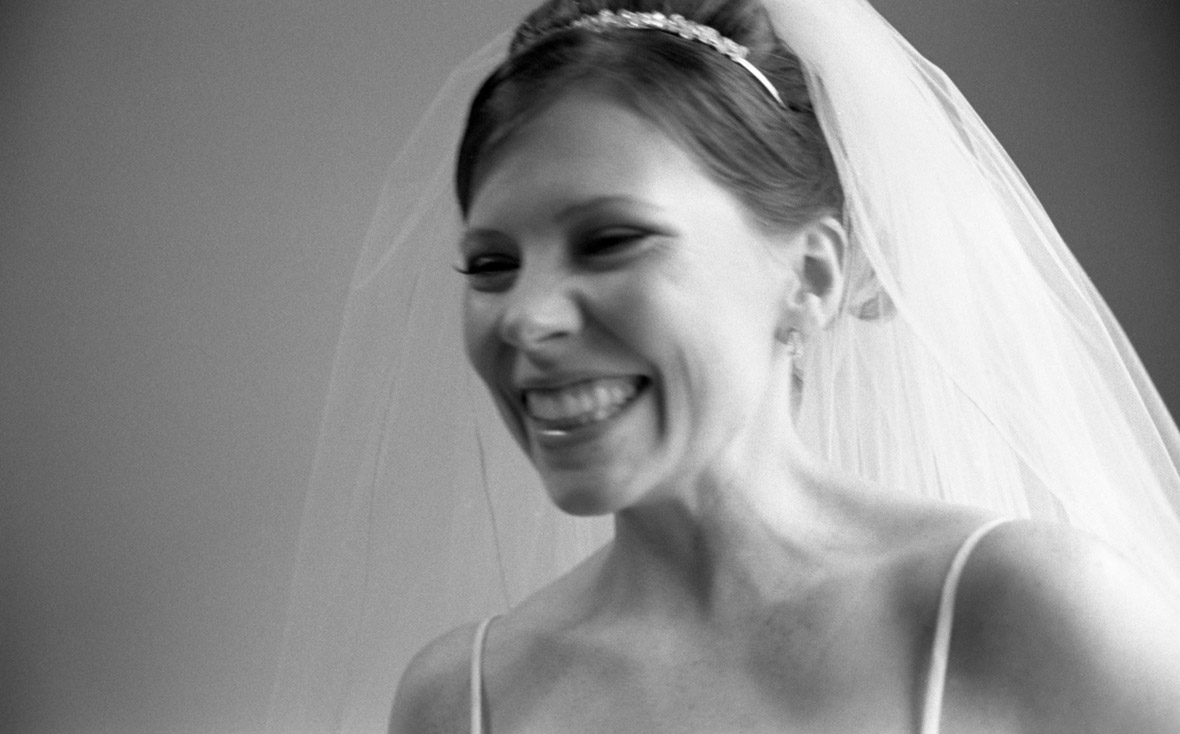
(487, 265)
(485, 258)
(611, 241)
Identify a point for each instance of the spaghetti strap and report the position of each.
(940, 650)
(477, 643)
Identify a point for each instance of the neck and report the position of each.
(757, 526)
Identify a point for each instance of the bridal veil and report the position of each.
(980, 367)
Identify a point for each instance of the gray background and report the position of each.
(183, 189)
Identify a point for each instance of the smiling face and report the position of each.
(622, 307)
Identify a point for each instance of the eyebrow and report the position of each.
(475, 237)
(568, 213)
(584, 208)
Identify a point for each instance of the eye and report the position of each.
(486, 264)
(488, 272)
(605, 243)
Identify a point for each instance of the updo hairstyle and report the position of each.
(773, 157)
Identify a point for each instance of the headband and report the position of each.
(607, 20)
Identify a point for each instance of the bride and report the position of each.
(791, 320)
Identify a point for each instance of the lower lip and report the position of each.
(561, 438)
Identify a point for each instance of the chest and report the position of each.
(848, 672)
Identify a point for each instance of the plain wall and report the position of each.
(183, 189)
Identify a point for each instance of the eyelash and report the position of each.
(605, 245)
(609, 242)
(485, 265)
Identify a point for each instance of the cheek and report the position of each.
(479, 332)
(715, 358)
(487, 355)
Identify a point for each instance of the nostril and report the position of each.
(539, 321)
(535, 334)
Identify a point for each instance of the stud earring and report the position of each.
(794, 344)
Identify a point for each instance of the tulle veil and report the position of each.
(986, 370)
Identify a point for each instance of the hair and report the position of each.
(773, 157)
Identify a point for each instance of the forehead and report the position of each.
(585, 146)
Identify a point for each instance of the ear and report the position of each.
(815, 292)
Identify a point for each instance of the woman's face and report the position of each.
(621, 306)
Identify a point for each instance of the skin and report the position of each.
(749, 588)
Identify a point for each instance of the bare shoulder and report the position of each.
(1062, 629)
(1034, 573)
(434, 692)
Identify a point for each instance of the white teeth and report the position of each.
(580, 403)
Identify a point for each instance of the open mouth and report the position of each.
(581, 403)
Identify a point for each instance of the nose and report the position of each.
(542, 310)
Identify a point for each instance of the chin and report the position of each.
(584, 497)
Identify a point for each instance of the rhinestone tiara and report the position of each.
(607, 20)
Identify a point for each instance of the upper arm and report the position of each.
(1067, 635)
(433, 695)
